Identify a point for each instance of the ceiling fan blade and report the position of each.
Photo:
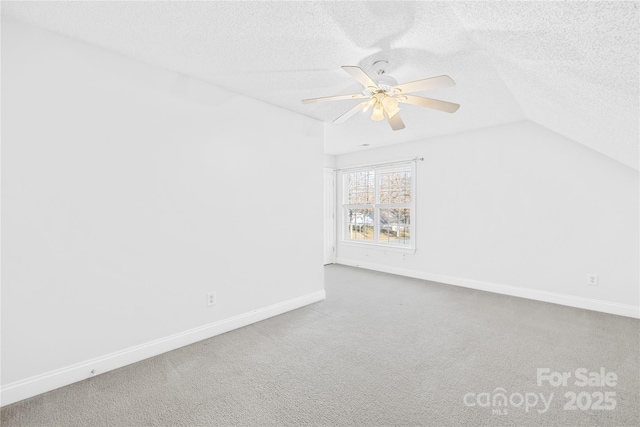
(436, 104)
(333, 98)
(350, 113)
(425, 84)
(358, 74)
(395, 122)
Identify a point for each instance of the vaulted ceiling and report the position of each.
(569, 66)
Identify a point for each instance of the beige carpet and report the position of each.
(381, 350)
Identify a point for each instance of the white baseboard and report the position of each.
(534, 294)
(33, 386)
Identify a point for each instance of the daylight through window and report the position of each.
(379, 204)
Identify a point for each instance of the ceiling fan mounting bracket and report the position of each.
(384, 81)
(380, 66)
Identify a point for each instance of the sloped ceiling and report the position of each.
(569, 66)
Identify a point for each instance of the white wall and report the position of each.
(128, 193)
(329, 161)
(520, 210)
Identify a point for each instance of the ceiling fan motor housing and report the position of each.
(386, 83)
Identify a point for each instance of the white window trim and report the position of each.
(383, 247)
(411, 248)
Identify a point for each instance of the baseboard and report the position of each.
(33, 386)
(626, 310)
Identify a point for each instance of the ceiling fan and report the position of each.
(384, 94)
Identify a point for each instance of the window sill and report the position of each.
(378, 246)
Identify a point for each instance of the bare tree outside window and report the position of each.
(378, 205)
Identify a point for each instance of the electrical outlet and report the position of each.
(211, 298)
(592, 279)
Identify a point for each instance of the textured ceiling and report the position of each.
(569, 66)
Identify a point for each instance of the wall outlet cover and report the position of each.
(211, 299)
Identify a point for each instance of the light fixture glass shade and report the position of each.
(377, 114)
(390, 104)
(393, 113)
(370, 104)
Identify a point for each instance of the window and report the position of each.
(379, 203)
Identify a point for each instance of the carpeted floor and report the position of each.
(381, 350)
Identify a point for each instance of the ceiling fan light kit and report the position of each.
(384, 95)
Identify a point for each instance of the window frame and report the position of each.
(377, 206)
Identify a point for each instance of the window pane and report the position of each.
(394, 226)
(360, 223)
(361, 187)
(395, 186)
